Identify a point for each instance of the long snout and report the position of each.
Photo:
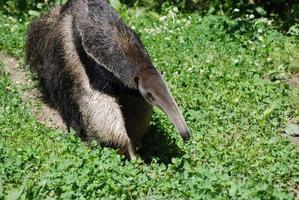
(170, 108)
(154, 89)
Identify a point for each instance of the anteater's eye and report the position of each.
(136, 80)
(150, 96)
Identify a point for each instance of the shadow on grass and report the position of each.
(158, 145)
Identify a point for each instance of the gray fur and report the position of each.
(93, 69)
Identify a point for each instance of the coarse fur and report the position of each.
(92, 68)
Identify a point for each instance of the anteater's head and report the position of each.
(155, 91)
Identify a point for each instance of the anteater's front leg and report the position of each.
(137, 113)
(103, 120)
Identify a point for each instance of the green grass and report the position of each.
(227, 77)
(12, 34)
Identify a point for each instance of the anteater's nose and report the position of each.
(185, 135)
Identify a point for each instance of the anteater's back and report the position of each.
(38, 37)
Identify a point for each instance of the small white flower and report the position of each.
(236, 10)
(163, 18)
(188, 23)
(269, 22)
(251, 16)
(260, 38)
(236, 61)
(181, 40)
(175, 9)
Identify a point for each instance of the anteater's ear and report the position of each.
(96, 29)
(94, 41)
(99, 43)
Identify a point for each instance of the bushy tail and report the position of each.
(38, 32)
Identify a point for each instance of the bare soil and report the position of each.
(45, 114)
(293, 81)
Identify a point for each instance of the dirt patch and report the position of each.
(296, 191)
(295, 140)
(294, 81)
(45, 114)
